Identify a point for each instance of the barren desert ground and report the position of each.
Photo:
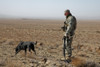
(48, 33)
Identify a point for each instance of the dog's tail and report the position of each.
(36, 43)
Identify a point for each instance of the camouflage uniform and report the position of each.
(70, 24)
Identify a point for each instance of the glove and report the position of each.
(64, 22)
(64, 28)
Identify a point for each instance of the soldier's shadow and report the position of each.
(67, 60)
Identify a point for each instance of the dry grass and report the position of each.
(2, 63)
(90, 64)
(7, 63)
(77, 62)
(98, 50)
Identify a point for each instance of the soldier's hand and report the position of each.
(67, 34)
(64, 37)
(64, 22)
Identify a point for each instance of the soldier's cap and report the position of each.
(67, 10)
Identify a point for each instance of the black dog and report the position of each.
(24, 45)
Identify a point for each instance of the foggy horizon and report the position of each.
(49, 9)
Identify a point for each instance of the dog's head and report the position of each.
(17, 50)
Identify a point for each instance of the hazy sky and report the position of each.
(54, 9)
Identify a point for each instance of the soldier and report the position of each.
(69, 31)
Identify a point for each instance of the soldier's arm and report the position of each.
(66, 23)
(70, 26)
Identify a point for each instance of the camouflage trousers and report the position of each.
(68, 42)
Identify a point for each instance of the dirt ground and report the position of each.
(48, 33)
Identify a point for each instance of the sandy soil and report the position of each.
(48, 33)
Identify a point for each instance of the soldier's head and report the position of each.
(67, 12)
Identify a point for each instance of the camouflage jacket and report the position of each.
(70, 23)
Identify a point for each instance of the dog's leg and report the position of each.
(17, 53)
(25, 53)
(34, 51)
(30, 50)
